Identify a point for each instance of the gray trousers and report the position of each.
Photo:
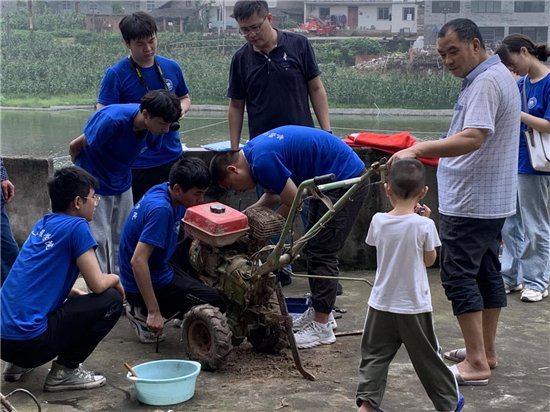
(383, 335)
(109, 219)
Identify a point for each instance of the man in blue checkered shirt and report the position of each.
(10, 249)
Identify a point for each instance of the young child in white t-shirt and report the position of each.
(400, 307)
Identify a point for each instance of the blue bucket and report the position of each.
(165, 382)
(297, 306)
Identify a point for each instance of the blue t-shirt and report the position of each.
(112, 147)
(43, 274)
(120, 84)
(538, 102)
(155, 222)
(300, 153)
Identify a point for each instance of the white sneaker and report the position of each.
(531, 295)
(509, 289)
(138, 322)
(314, 334)
(307, 317)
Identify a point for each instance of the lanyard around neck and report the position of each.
(140, 75)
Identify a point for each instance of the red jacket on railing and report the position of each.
(389, 143)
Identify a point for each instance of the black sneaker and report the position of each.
(12, 372)
(62, 378)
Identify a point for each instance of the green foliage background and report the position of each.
(60, 62)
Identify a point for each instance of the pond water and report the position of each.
(48, 133)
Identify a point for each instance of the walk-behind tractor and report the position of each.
(231, 251)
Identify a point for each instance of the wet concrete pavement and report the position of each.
(259, 382)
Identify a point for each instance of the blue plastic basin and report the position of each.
(165, 382)
(297, 305)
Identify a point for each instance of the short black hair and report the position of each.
(136, 26)
(68, 183)
(190, 172)
(407, 178)
(161, 103)
(243, 9)
(219, 163)
(466, 30)
(513, 44)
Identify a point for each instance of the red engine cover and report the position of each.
(215, 223)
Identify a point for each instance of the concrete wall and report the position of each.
(29, 175)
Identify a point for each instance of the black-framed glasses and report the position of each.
(247, 31)
(95, 198)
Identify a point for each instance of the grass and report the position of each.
(44, 102)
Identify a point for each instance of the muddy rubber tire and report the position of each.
(206, 336)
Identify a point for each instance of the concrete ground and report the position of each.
(258, 382)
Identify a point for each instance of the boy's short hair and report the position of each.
(161, 103)
(219, 163)
(190, 172)
(407, 178)
(68, 183)
(245, 8)
(137, 26)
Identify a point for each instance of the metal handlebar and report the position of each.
(277, 258)
(319, 180)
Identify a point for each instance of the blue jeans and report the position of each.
(9, 250)
(526, 236)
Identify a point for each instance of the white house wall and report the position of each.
(368, 15)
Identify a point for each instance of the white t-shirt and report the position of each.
(401, 283)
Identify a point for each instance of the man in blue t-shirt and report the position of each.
(43, 315)
(113, 138)
(128, 80)
(147, 244)
(280, 160)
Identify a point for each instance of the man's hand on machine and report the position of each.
(155, 322)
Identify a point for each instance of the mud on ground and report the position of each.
(252, 381)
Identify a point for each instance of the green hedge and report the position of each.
(68, 61)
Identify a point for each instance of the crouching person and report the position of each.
(43, 315)
(154, 292)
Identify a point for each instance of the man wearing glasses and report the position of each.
(274, 75)
(43, 315)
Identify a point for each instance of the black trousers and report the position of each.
(322, 251)
(74, 331)
(180, 295)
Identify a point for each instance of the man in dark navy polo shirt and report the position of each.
(274, 75)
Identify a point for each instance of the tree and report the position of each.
(202, 14)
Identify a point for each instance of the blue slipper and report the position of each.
(460, 403)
